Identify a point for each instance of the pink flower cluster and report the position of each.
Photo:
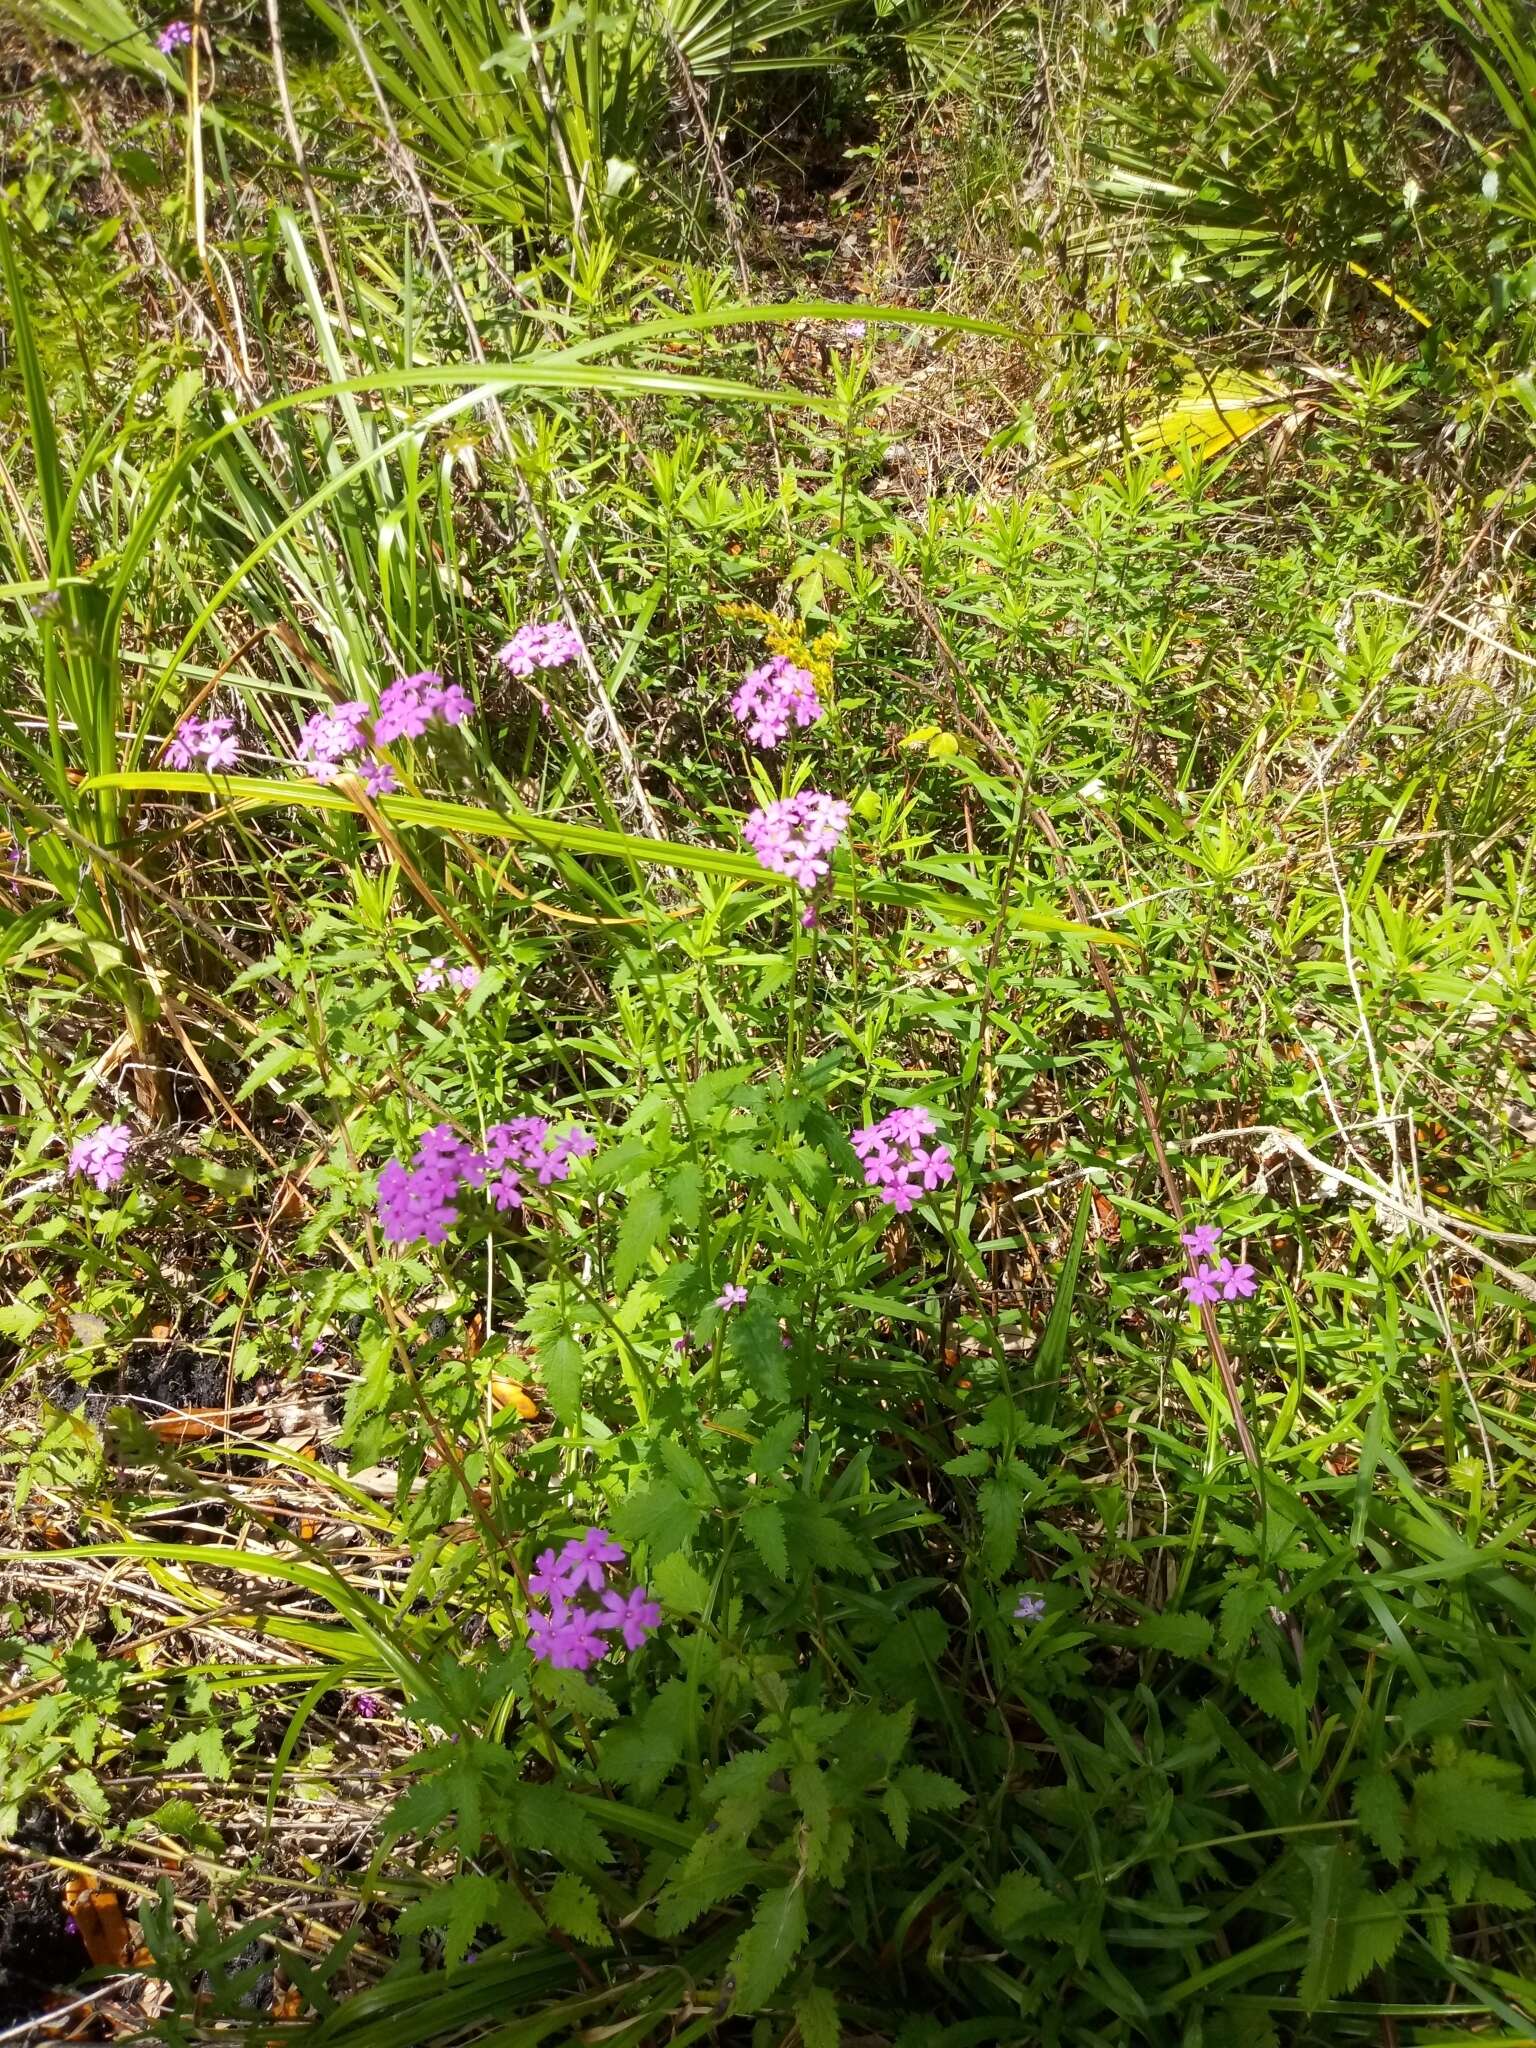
(898, 1163)
(102, 1155)
(412, 703)
(533, 647)
(420, 1202)
(210, 740)
(570, 1636)
(174, 36)
(773, 697)
(796, 835)
(407, 707)
(1220, 1282)
(438, 974)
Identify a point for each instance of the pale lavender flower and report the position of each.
(407, 707)
(732, 1295)
(174, 36)
(330, 737)
(774, 697)
(433, 975)
(1030, 1607)
(465, 978)
(1201, 1241)
(540, 646)
(796, 836)
(184, 745)
(210, 740)
(102, 1155)
(379, 777)
(855, 330)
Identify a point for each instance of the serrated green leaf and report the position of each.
(645, 1216)
(766, 1952)
(763, 1527)
(659, 1517)
(1382, 1811)
(1182, 1635)
(560, 1370)
(570, 1904)
(1001, 1501)
(816, 2017)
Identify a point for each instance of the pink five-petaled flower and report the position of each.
(633, 1614)
(774, 697)
(1201, 1287)
(585, 1559)
(567, 1637)
(466, 977)
(331, 737)
(102, 1155)
(897, 1162)
(549, 1577)
(1201, 1241)
(210, 740)
(732, 1295)
(796, 836)
(1234, 1280)
(433, 975)
(533, 647)
(174, 36)
(1030, 1607)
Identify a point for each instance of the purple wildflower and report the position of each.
(184, 744)
(529, 1143)
(367, 1706)
(1201, 1241)
(1234, 1281)
(419, 1202)
(855, 330)
(534, 647)
(772, 698)
(407, 707)
(71, 1925)
(210, 740)
(379, 777)
(102, 1155)
(549, 1577)
(466, 977)
(896, 1160)
(808, 918)
(331, 737)
(1030, 1607)
(1201, 1287)
(732, 1295)
(433, 975)
(633, 1615)
(570, 1636)
(585, 1559)
(174, 36)
(796, 836)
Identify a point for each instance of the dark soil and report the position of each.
(40, 1959)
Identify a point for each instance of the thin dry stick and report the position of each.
(296, 144)
(1347, 940)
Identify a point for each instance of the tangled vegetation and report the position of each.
(766, 1045)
